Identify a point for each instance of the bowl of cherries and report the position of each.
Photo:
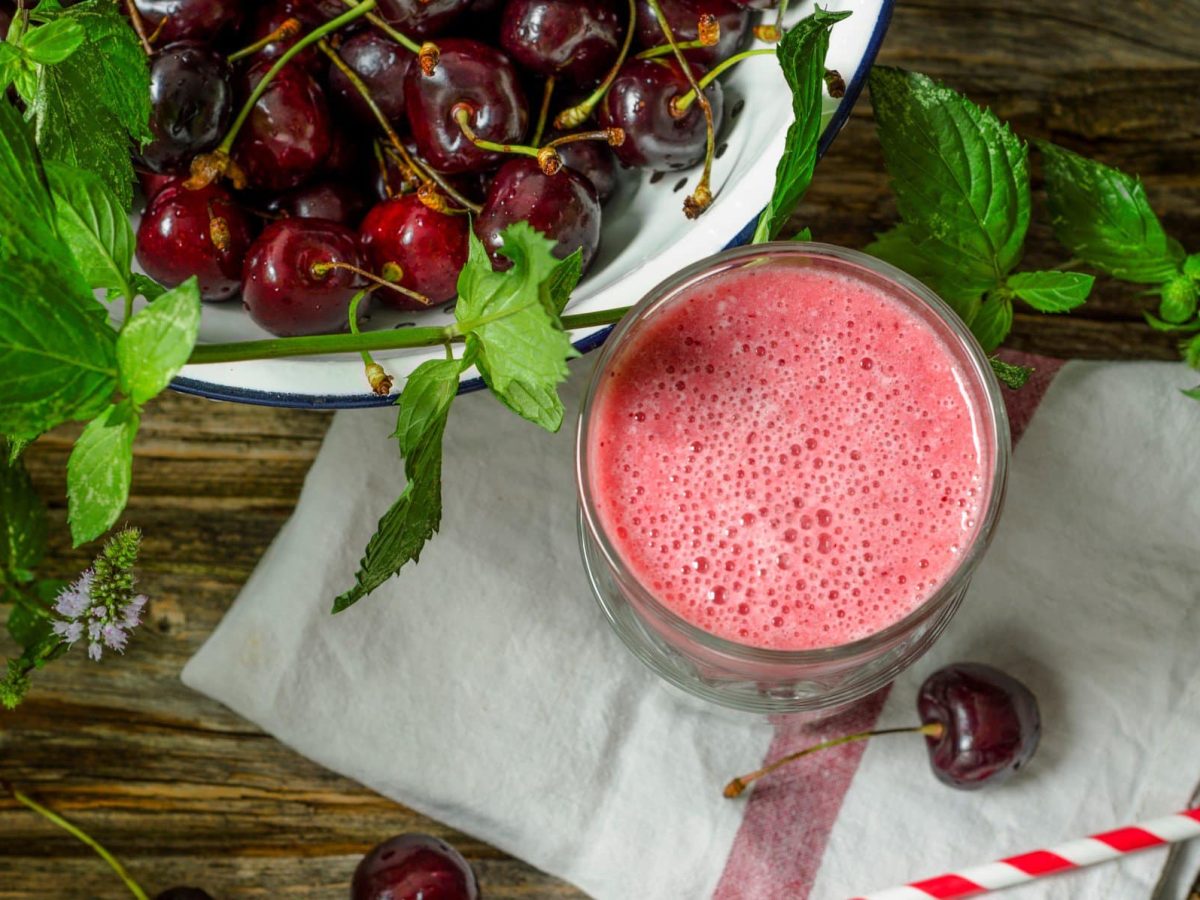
(380, 147)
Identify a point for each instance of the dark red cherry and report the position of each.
(286, 138)
(153, 182)
(430, 248)
(184, 893)
(640, 103)
(192, 20)
(381, 63)
(202, 233)
(326, 199)
(991, 724)
(191, 102)
(756, 4)
(413, 867)
(564, 207)
(282, 286)
(684, 18)
(389, 180)
(563, 38)
(271, 16)
(595, 161)
(482, 79)
(422, 18)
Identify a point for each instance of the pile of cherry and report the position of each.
(320, 202)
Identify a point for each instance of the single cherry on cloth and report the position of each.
(684, 18)
(422, 18)
(208, 21)
(286, 138)
(291, 284)
(202, 233)
(381, 63)
(563, 38)
(325, 199)
(481, 79)
(990, 724)
(563, 206)
(191, 104)
(428, 247)
(414, 867)
(642, 102)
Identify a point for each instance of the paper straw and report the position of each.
(1066, 857)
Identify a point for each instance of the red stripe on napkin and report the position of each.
(789, 817)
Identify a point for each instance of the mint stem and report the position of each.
(81, 835)
(309, 39)
(394, 339)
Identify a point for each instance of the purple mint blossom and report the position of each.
(68, 631)
(95, 651)
(114, 637)
(74, 600)
(131, 615)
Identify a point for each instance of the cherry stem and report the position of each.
(363, 91)
(139, 25)
(682, 104)
(290, 28)
(700, 199)
(462, 115)
(399, 37)
(772, 34)
(392, 339)
(544, 112)
(614, 137)
(321, 269)
(81, 835)
(288, 55)
(667, 49)
(574, 116)
(432, 179)
(377, 377)
(738, 785)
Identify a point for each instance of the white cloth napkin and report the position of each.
(483, 686)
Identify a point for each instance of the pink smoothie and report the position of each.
(787, 457)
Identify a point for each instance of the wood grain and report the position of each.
(185, 791)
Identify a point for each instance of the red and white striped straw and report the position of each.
(1066, 857)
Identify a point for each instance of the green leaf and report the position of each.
(99, 472)
(1159, 325)
(147, 287)
(415, 517)
(89, 107)
(1191, 267)
(960, 176)
(993, 322)
(562, 281)
(1194, 393)
(57, 351)
(26, 626)
(1191, 351)
(1103, 217)
(23, 524)
(519, 347)
(157, 342)
(934, 264)
(801, 55)
(1051, 292)
(94, 226)
(53, 42)
(804, 234)
(1179, 299)
(1011, 376)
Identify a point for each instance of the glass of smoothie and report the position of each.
(790, 459)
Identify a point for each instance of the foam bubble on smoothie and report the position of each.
(787, 458)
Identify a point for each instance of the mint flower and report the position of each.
(100, 605)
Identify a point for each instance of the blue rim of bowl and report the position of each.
(584, 345)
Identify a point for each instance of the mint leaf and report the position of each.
(99, 472)
(993, 322)
(415, 517)
(518, 345)
(934, 264)
(1103, 217)
(157, 342)
(1194, 393)
(56, 348)
(23, 526)
(1179, 299)
(1191, 351)
(26, 626)
(95, 227)
(960, 176)
(147, 287)
(90, 106)
(1159, 325)
(1011, 376)
(1051, 292)
(801, 55)
(562, 281)
(53, 42)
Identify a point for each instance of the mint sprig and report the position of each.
(100, 471)
(801, 55)
(95, 227)
(1051, 291)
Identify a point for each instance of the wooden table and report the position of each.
(185, 791)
